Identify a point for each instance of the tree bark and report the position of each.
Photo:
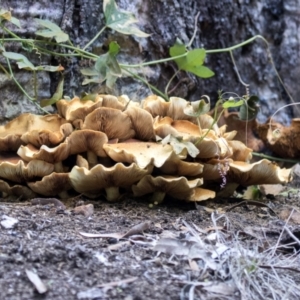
(220, 24)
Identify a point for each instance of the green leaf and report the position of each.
(56, 96)
(231, 103)
(22, 61)
(176, 50)
(113, 48)
(203, 108)
(192, 62)
(201, 71)
(195, 57)
(179, 146)
(101, 66)
(52, 31)
(5, 15)
(87, 97)
(249, 109)
(120, 20)
(15, 21)
(89, 71)
(106, 68)
(94, 79)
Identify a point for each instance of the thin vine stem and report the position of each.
(94, 38)
(21, 88)
(17, 82)
(154, 62)
(146, 82)
(294, 161)
(170, 81)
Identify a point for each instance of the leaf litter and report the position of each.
(128, 251)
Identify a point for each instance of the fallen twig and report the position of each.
(44, 201)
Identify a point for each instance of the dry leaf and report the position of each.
(270, 189)
(285, 214)
(36, 281)
(86, 210)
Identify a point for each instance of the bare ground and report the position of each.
(177, 251)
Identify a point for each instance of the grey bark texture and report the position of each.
(220, 24)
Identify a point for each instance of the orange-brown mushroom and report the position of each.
(92, 182)
(155, 105)
(261, 172)
(13, 168)
(142, 123)
(46, 129)
(113, 122)
(148, 153)
(52, 185)
(246, 131)
(177, 187)
(18, 190)
(78, 142)
(77, 109)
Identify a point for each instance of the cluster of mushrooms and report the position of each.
(112, 146)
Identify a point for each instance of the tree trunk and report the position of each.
(220, 24)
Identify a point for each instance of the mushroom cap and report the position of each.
(16, 190)
(112, 102)
(15, 169)
(240, 152)
(11, 142)
(77, 109)
(142, 123)
(141, 153)
(99, 177)
(164, 126)
(113, 122)
(210, 146)
(176, 109)
(52, 184)
(243, 173)
(177, 187)
(159, 155)
(175, 166)
(155, 105)
(200, 194)
(46, 136)
(246, 131)
(124, 99)
(261, 172)
(17, 131)
(78, 142)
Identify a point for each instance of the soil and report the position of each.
(47, 241)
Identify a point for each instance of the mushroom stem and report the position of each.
(92, 159)
(58, 167)
(112, 193)
(64, 195)
(158, 197)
